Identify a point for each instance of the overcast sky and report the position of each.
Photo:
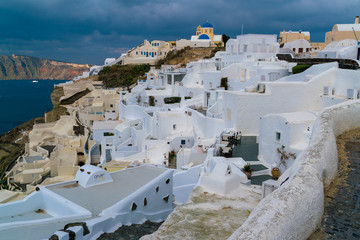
(88, 31)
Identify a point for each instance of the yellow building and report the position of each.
(343, 31)
(289, 36)
(205, 32)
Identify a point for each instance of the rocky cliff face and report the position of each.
(24, 67)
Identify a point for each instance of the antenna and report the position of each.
(356, 36)
(242, 29)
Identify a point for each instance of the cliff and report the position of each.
(25, 67)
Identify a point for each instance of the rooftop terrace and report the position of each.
(97, 198)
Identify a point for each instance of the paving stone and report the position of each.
(341, 219)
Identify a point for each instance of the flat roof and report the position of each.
(33, 171)
(105, 124)
(49, 148)
(31, 159)
(99, 197)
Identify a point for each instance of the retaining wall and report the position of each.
(295, 209)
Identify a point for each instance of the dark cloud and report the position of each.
(87, 31)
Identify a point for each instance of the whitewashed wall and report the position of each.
(167, 120)
(206, 127)
(295, 209)
(294, 136)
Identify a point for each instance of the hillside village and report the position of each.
(241, 141)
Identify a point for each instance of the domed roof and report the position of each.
(204, 36)
(207, 25)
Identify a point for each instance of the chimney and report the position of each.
(357, 20)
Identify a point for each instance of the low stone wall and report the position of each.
(295, 209)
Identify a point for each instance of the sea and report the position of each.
(22, 100)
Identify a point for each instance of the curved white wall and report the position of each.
(295, 209)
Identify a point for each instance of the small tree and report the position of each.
(284, 155)
(225, 38)
(138, 99)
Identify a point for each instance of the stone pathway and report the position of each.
(209, 216)
(341, 219)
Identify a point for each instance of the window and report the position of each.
(245, 48)
(243, 75)
(166, 199)
(255, 47)
(183, 141)
(278, 136)
(111, 105)
(174, 126)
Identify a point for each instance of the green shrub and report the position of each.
(187, 97)
(224, 83)
(107, 134)
(151, 101)
(170, 100)
(122, 75)
(300, 68)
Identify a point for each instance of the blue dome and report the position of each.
(204, 36)
(207, 25)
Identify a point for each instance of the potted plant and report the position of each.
(282, 156)
(247, 170)
(275, 172)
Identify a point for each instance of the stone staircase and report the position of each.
(249, 150)
(95, 159)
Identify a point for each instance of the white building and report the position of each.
(253, 46)
(303, 92)
(288, 132)
(346, 49)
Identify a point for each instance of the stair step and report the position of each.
(258, 180)
(258, 167)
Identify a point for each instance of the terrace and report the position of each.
(233, 145)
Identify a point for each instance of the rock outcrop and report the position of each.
(25, 67)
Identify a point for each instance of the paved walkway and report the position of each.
(341, 219)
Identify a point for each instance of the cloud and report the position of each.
(89, 30)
